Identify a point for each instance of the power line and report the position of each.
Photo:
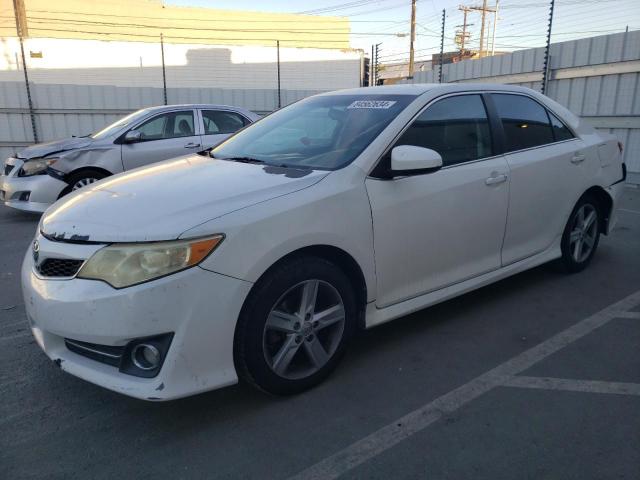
(338, 7)
(316, 19)
(325, 31)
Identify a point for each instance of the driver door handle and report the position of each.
(495, 179)
(192, 145)
(577, 158)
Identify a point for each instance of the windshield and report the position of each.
(118, 124)
(323, 132)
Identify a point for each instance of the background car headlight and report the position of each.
(36, 167)
(125, 264)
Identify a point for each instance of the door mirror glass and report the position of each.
(133, 136)
(409, 159)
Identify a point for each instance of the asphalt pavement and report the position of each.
(537, 376)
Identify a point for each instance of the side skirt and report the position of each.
(376, 316)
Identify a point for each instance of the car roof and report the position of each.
(420, 88)
(159, 108)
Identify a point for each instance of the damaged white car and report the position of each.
(342, 211)
(38, 175)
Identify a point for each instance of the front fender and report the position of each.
(107, 157)
(325, 214)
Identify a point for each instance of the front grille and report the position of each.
(7, 169)
(59, 267)
(101, 353)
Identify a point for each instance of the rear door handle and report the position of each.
(192, 145)
(495, 179)
(577, 158)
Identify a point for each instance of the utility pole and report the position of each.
(493, 35)
(483, 9)
(413, 38)
(484, 14)
(462, 36)
(22, 30)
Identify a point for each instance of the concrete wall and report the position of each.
(65, 110)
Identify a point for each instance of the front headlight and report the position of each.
(36, 167)
(125, 264)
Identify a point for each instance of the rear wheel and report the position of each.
(581, 235)
(294, 326)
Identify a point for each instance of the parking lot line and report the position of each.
(390, 435)
(567, 384)
(629, 315)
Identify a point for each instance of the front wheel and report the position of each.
(81, 179)
(581, 235)
(294, 326)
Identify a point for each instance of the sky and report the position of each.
(521, 23)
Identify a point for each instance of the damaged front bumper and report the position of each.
(197, 308)
(31, 194)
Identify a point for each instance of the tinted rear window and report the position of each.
(525, 121)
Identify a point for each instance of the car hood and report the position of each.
(43, 149)
(161, 201)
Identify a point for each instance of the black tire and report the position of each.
(251, 347)
(568, 262)
(82, 175)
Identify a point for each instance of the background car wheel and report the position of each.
(294, 326)
(581, 235)
(81, 179)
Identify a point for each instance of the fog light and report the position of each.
(21, 196)
(145, 356)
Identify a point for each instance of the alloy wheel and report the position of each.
(303, 329)
(583, 233)
(83, 182)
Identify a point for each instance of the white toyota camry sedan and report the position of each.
(342, 211)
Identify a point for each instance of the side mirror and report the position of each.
(133, 136)
(411, 160)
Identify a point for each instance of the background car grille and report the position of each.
(59, 267)
(7, 169)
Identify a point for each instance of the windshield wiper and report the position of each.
(242, 159)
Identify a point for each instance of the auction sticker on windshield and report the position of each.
(372, 104)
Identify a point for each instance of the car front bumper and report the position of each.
(199, 307)
(41, 190)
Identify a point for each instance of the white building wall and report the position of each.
(126, 64)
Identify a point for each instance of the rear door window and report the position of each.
(455, 127)
(560, 130)
(525, 121)
(219, 121)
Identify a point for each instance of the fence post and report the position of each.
(278, 57)
(545, 66)
(20, 14)
(441, 47)
(164, 73)
(376, 65)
